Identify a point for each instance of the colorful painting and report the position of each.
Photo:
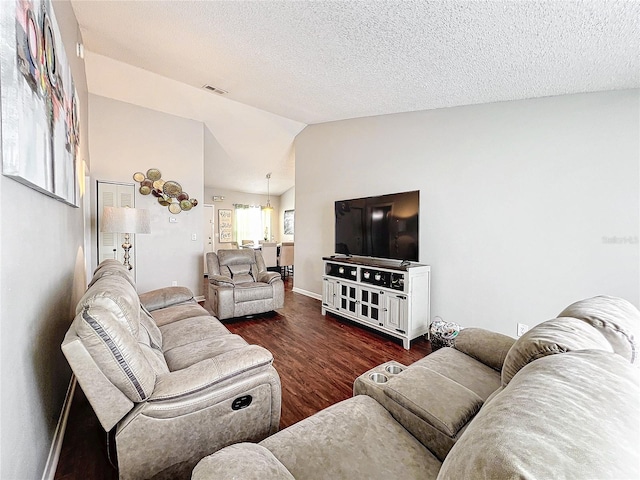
(40, 122)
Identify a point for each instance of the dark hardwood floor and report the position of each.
(317, 357)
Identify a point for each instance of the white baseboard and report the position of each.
(307, 293)
(56, 445)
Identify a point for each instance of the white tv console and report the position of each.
(383, 294)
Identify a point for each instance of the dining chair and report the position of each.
(285, 262)
(228, 246)
(270, 254)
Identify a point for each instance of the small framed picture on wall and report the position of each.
(288, 222)
(225, 225)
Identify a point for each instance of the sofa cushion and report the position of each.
(155, 357)
(463, 369)
(485, 346)
(112, 268)
(148, 325)
(434, 398)
(559, 335)
(241, 273)
(115, 351)
(119, 297)
(179, 312)
(616, 318)
(248, 292)
(564, 416)
(247, 461)
(356, 438)
(165, 297)
(189, 330)
(238, 264)
(184, 356)
(150, 341)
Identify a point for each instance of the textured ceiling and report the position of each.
(319, 61)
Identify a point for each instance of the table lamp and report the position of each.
(125, 220)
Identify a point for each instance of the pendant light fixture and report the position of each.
(268, 207)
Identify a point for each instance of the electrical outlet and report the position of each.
(522, 329)
(174, 283)
(194, 237)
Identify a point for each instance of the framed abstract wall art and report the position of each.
(288, 222)
(39, 121)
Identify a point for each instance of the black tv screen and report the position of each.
(385, 226)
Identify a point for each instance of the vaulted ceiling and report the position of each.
(286, 64)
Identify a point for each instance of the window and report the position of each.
(252, 223)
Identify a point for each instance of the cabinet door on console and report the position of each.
(348, 298)
(372, 305)
(330, 292)
(397, 313)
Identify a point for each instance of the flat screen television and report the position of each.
(385, 226)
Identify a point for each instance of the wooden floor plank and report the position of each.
(317, 357)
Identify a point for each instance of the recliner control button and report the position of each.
(241, 402)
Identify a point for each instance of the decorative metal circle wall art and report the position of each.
(172, 189)
(154, 174)
(169, 193)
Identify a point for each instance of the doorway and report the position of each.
(208, 233)
(112, 194)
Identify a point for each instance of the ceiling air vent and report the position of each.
(217, 90)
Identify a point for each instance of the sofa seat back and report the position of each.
(615, 318)
(240, 265)
(602, 323)
(573, 415)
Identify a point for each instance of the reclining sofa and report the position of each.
(240, 285)
(171, 379)
(559, 402)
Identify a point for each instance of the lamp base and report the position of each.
(126, 246)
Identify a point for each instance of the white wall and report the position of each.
(42, 277)
(517, 200)
(125, 139)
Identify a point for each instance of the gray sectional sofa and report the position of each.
(559, 402)
(170, 378)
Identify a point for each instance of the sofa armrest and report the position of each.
(221, 281)
(248, 461)
(485, 346)
(165, 297)
(210, 372)
(434, 399)
(269, 277)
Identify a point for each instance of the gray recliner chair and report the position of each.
(239, 284)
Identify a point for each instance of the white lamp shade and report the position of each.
(125, 220)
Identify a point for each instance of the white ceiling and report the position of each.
(286, 64)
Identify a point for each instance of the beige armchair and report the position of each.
(239, 284)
